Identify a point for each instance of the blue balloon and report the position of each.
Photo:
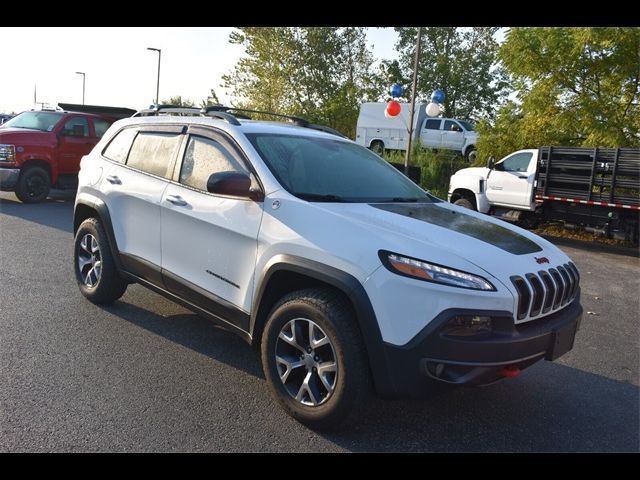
(437, 96)
(396, 90)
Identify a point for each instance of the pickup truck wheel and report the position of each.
(314, 359)
(377, 147)
(33, 185)
(471, 155)
(96, 272)
(463, 202)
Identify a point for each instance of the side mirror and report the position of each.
(235, 184)
(491, 163)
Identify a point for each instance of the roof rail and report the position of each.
(297, 120)
(222, 115)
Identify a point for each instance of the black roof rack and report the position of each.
(223, 113)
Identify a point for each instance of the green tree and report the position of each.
(461, 62)
(319, 73)
(575, 86)
(178, 101)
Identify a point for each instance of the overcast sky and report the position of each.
(120, 71)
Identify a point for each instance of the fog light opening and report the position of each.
(468, 326)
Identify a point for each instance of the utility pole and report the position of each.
(413, 101)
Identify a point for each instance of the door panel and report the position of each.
(135, 197)
(210, 241)
(431, 134)
(452, 135)
(75, 141)
(511, 182)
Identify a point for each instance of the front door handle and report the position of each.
(177, 200)
(522, 177)
(113, 179)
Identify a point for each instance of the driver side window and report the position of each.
(515, 163)
(203, 157)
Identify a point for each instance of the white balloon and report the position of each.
(433, 109)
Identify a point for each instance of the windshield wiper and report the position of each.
(317, 197)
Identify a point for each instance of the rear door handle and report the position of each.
(177, 200)
(520, 176)
(113, 179)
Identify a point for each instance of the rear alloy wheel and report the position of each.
(33, 185)
(95, 269)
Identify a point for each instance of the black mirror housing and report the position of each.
(233, 184)
(491, 163)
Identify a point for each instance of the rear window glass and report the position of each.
(119, 147)
(153, 152)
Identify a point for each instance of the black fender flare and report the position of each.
(353, 289)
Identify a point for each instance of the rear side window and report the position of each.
(204, 157)
(153, 152)
(101, 126)
(76, 127)
(432, 125)
(119, 147)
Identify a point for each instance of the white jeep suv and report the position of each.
(348, 276)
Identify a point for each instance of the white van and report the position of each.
(378, 132)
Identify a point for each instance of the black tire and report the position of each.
(377, 147)
(34, 185)
(105, 285)
(466, 203)
(332, 313)
(471, 155)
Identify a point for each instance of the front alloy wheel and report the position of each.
(306, 362)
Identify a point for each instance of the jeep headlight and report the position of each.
(7, 153)
(431, 272)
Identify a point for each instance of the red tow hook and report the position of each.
(509, 372)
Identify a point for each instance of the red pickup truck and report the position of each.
(43, 148)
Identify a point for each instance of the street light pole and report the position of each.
(158, 84)
(83, 79)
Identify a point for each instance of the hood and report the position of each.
(15, 133)
(447, 234)
(479, 171)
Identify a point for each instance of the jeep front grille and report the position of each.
(546, 291)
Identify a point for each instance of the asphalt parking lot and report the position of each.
(147, 375)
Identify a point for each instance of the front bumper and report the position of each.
(479, 360)
(9, 178)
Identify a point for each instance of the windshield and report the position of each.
(323, 169)
(466, 125)
(44, 121)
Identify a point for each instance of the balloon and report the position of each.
(393, 109)
(396, 90)
(433, 109)
(437, 96)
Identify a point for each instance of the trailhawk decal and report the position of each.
(448, 218)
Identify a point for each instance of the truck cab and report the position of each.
(450, 134)
(43, 148)
(508, 183)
